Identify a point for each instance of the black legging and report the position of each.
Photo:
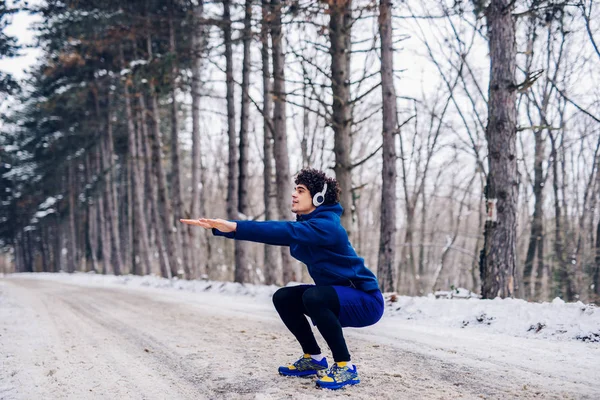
(321, 303)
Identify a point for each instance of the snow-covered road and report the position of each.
(60, 339)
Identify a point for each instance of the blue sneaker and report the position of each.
(304, 367)
(339, 376)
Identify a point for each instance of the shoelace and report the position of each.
(335, 370)
(339, 373)
(303, 363)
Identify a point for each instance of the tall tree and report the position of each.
(196, 205)
(271, 263)
(231, 134)
(175, 163)
(164, 200)
(137, 182)
(498, 257)
(92, 217)
(243, 267)
(111, 190)
(155, 227)
(340, 26)
(531, 282)
(72, 250)
(386, 265)
(280, 147)
(103, 232)
(596, 273)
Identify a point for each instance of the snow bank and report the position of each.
(555, 320)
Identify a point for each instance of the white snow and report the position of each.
(41, 214)
(49, 202)
(135, 63)
(93, 330)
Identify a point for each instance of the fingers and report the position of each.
(208, 223)
(213, 223)
(196, 222)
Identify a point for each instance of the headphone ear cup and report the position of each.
(319, 198)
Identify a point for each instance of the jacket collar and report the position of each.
(335, 208)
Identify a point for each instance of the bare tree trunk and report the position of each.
(565, 285)
(137, 184)
(106, 220)
(57, 245)
(596, 277)
(231, 134)
(408, 262)
(272, 267)
(102, 218)
(150, 168)
(178, 208)
(596, 270)
(27, 256)
(92, 219)
(386, 263)
(162, 205)
(112, 204)
(196, 206)
(29, 252)
(498, 257)
(232, 172)
(164, 200)
(305, 120)
(49, 248)
(536, 239)
(475, 276)
(72, 252)
(422, 258)
(145, 166)
(340, 25)
(581, 246)
(20, 246)
(133, 247)
(280, 149)
(17, 251)
(43, 249)
(243, 267)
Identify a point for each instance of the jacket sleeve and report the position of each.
(316, 231)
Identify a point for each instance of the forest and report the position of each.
(465, 135)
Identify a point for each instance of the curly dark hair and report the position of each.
(314, 180)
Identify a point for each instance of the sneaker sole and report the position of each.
(335, 386)
(299, 373)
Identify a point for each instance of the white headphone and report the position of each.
(319, 198)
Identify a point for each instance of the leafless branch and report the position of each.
(367, 158)
(597, 119)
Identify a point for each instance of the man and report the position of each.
(345, 293)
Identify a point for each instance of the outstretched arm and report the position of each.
(316, 232)
(209, 223)
(279, 233)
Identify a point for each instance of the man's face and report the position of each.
(302, 201)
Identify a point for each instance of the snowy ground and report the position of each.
(85, 336)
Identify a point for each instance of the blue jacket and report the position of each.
(316, 239)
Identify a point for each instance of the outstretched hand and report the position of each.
(208, 223)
